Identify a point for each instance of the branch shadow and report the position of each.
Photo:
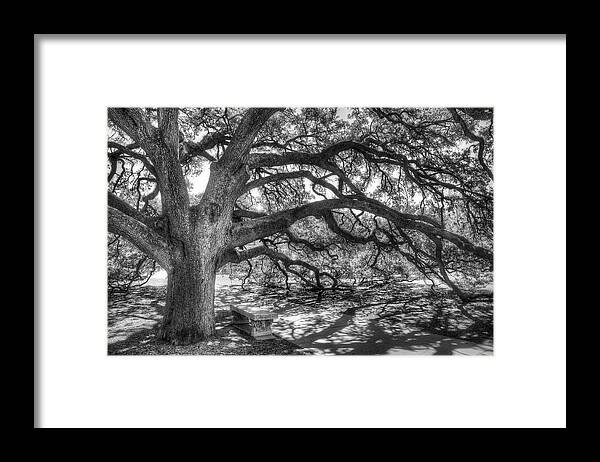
(389, 319)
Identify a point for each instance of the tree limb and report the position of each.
(287, 176)
(252, 230)
(162, 146)
(238, 256)
(119, 204)
(243, 137)
(140, 235)
(472, 136)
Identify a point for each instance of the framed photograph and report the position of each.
(290, 227)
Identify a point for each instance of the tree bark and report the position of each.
(189, 311)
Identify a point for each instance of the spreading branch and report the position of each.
(140, 235)
(252, 230)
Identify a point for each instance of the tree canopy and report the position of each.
(404, 189)
(411, 185)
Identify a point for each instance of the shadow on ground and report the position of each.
(133, 321)
(392, 318)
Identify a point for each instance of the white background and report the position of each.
(523, 384)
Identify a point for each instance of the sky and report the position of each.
(199, 182)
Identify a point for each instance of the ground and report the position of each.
(394, 317)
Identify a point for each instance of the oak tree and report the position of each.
(408, 184)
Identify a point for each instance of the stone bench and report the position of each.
(255, 322)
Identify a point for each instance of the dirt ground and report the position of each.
(392, 318)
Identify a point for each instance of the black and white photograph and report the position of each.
(299, 231)
(285, 231)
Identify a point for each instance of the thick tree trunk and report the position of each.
(189, 311)
(193, 238)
